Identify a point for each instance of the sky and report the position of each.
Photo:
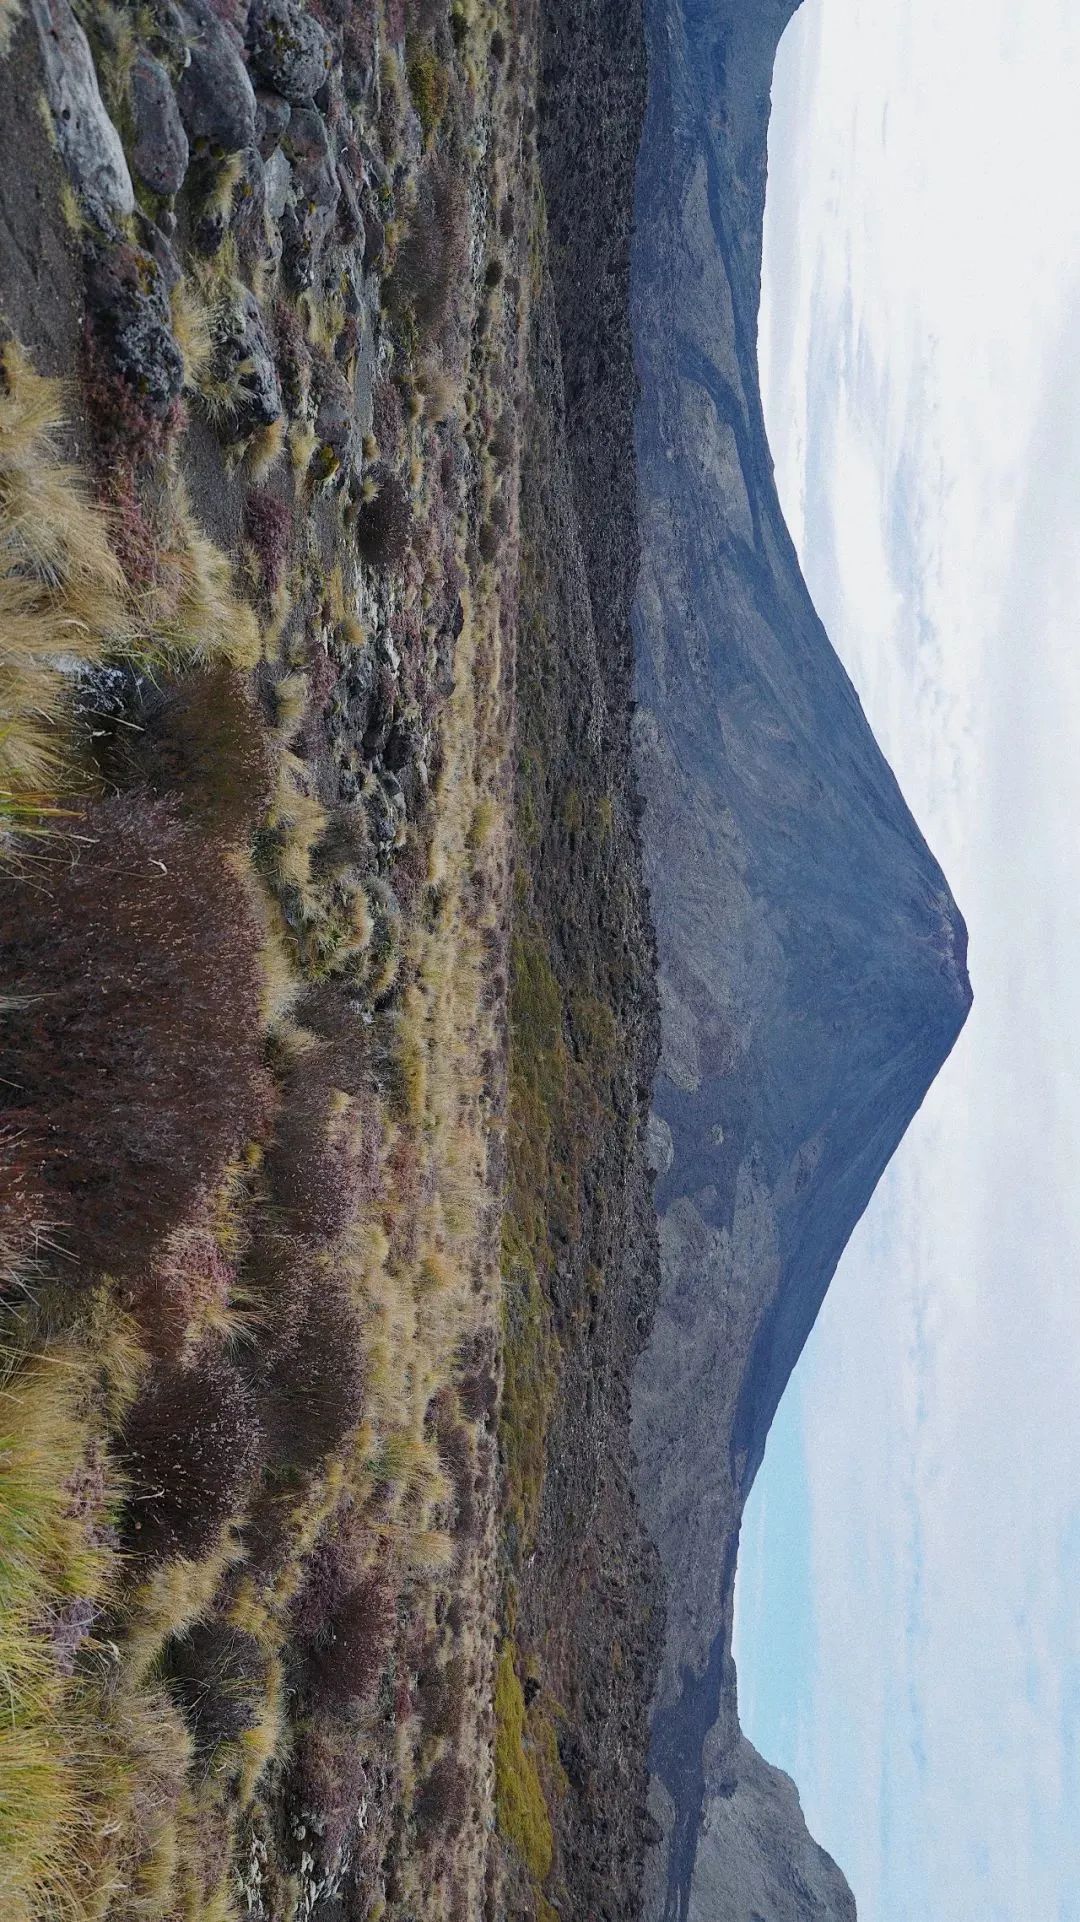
(908, 1603)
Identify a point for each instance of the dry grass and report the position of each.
(205, 619)
(57, 1573)
(61, 604)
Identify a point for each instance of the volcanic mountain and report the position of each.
(812, 960)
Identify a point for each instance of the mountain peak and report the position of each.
(812, 960)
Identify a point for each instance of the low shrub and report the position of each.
(330, 1573)
(217, 1674)
(388, 417)
(191, 1442)
(456, 1454)
(431, 259)
(311, 1366)
(347, 1660)
(442, 1800)
(268, 526)
(323, 1164)
(331, 1013)
(327, 1780)
(310, 1172)
(199, 737)
(478, 1393)
(346, 845)
(23, 1224)
(384, 523)
(426, 16)
(131, 1048)
(441, 1696)
(316, 1375)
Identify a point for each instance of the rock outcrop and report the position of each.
(812, 960)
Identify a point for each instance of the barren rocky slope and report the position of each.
(812, 960)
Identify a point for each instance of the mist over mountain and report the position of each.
(812, 960)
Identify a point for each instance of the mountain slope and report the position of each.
(812, 960)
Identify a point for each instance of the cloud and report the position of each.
(921, 375)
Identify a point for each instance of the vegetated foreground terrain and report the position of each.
(324, 1230)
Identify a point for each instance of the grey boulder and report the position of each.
(272, 119)
(129, 303)
(89, 143)
(313, 196)
(245, 357)
(217, 99)
(159, 152)
(288, 49)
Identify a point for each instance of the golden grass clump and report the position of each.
(53, 1573)
(61, 588)
(265, 448)
(207, 619)
(301, 820)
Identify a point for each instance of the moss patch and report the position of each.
(520, 1807)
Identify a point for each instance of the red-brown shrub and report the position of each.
(456, 1454)
(268, 526)
(313, 1364)
(329, 1011)
(327, 1780)
(192, 1272)
(346, 1663)
(190, 1445)
(293, 354)
(200, 738)
(321, 1174)
(426, 16)
(388, 417)
(384, 525)
(478, 1392)
(309, 1170)
(431, 259)
(441, 1697)
(217, 1674)
(442, 1800)
(132, 1056)
(22, 1211)
(317, 1388)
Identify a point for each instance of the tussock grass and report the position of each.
(207, 620)
(55, 1573)
(61, 603)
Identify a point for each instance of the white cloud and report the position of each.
(920, 349)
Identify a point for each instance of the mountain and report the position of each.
(812, 961)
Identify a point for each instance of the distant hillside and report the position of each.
(812, 960)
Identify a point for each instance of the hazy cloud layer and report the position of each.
(920, 352)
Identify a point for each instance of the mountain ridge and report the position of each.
(812, 961)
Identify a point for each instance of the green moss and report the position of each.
(429, 85)
(573, 811)
(564, 1051)
(520, 1808)
(531, 1375)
